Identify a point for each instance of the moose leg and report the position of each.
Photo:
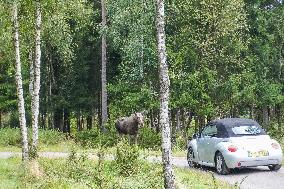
(129, 139)
(135, 139)
(132, 139)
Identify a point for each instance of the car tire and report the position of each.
(190, 157)
(274, 167)
(220, 165)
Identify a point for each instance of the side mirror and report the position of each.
(194, 136)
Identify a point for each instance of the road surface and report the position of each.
(251, 178)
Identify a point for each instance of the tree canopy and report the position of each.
(225, 60)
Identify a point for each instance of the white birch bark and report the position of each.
(31, 84)
(35, 97)
(103, 71)
(19, 82)
(169, 179)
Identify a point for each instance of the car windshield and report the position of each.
(247, 130)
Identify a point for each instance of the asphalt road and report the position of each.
(251, 178)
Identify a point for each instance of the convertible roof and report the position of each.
(233, 122)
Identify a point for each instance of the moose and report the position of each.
(130, 125)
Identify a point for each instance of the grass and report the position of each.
(82, 173)
(10, 148)
(9, 175)
(187, 178)
(68, 145)
(60, 147)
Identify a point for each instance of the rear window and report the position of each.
(248, 130)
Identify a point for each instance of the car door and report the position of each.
(212, 140)
(202, 143)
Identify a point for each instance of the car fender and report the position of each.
(222, 147)
(193, 144)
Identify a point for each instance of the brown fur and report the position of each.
(129, 125)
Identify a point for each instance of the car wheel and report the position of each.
(220, 165)
(190, 158)
(274, 167)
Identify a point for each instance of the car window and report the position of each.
(210, 130)
(222, 132)
(247, 130)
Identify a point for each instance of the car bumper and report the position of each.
(240, 160)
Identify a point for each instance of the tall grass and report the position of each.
(12, 137)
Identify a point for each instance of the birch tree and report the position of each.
(169, 180)
(36, 86)
(19, 83)
(103, 71)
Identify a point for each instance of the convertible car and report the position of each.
(233, 143)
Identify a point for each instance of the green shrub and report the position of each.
(273, 131)
(127, 158)
(12, 137)
(78, 172)
(180, 143)
(148, 138)
(50, 137)
(95, 138)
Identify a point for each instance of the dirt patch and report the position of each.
(34, 169)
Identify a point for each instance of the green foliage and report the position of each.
(57, 171)
(225, 59)
(50, 137)
(12, 137)
(95, 138)
(206, 42)
(132, 34)
(149, 138)
(79, 172)
(180, 143)
(273, 131)
(132, 99)
(127, 161)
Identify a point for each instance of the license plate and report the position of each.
(260, 153)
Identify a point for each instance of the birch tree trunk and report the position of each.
(169, 180)
(103, 76)
(31, 84)
(36, 86)
(19, 82)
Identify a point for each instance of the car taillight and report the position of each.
(275, 146)
(232, 148)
